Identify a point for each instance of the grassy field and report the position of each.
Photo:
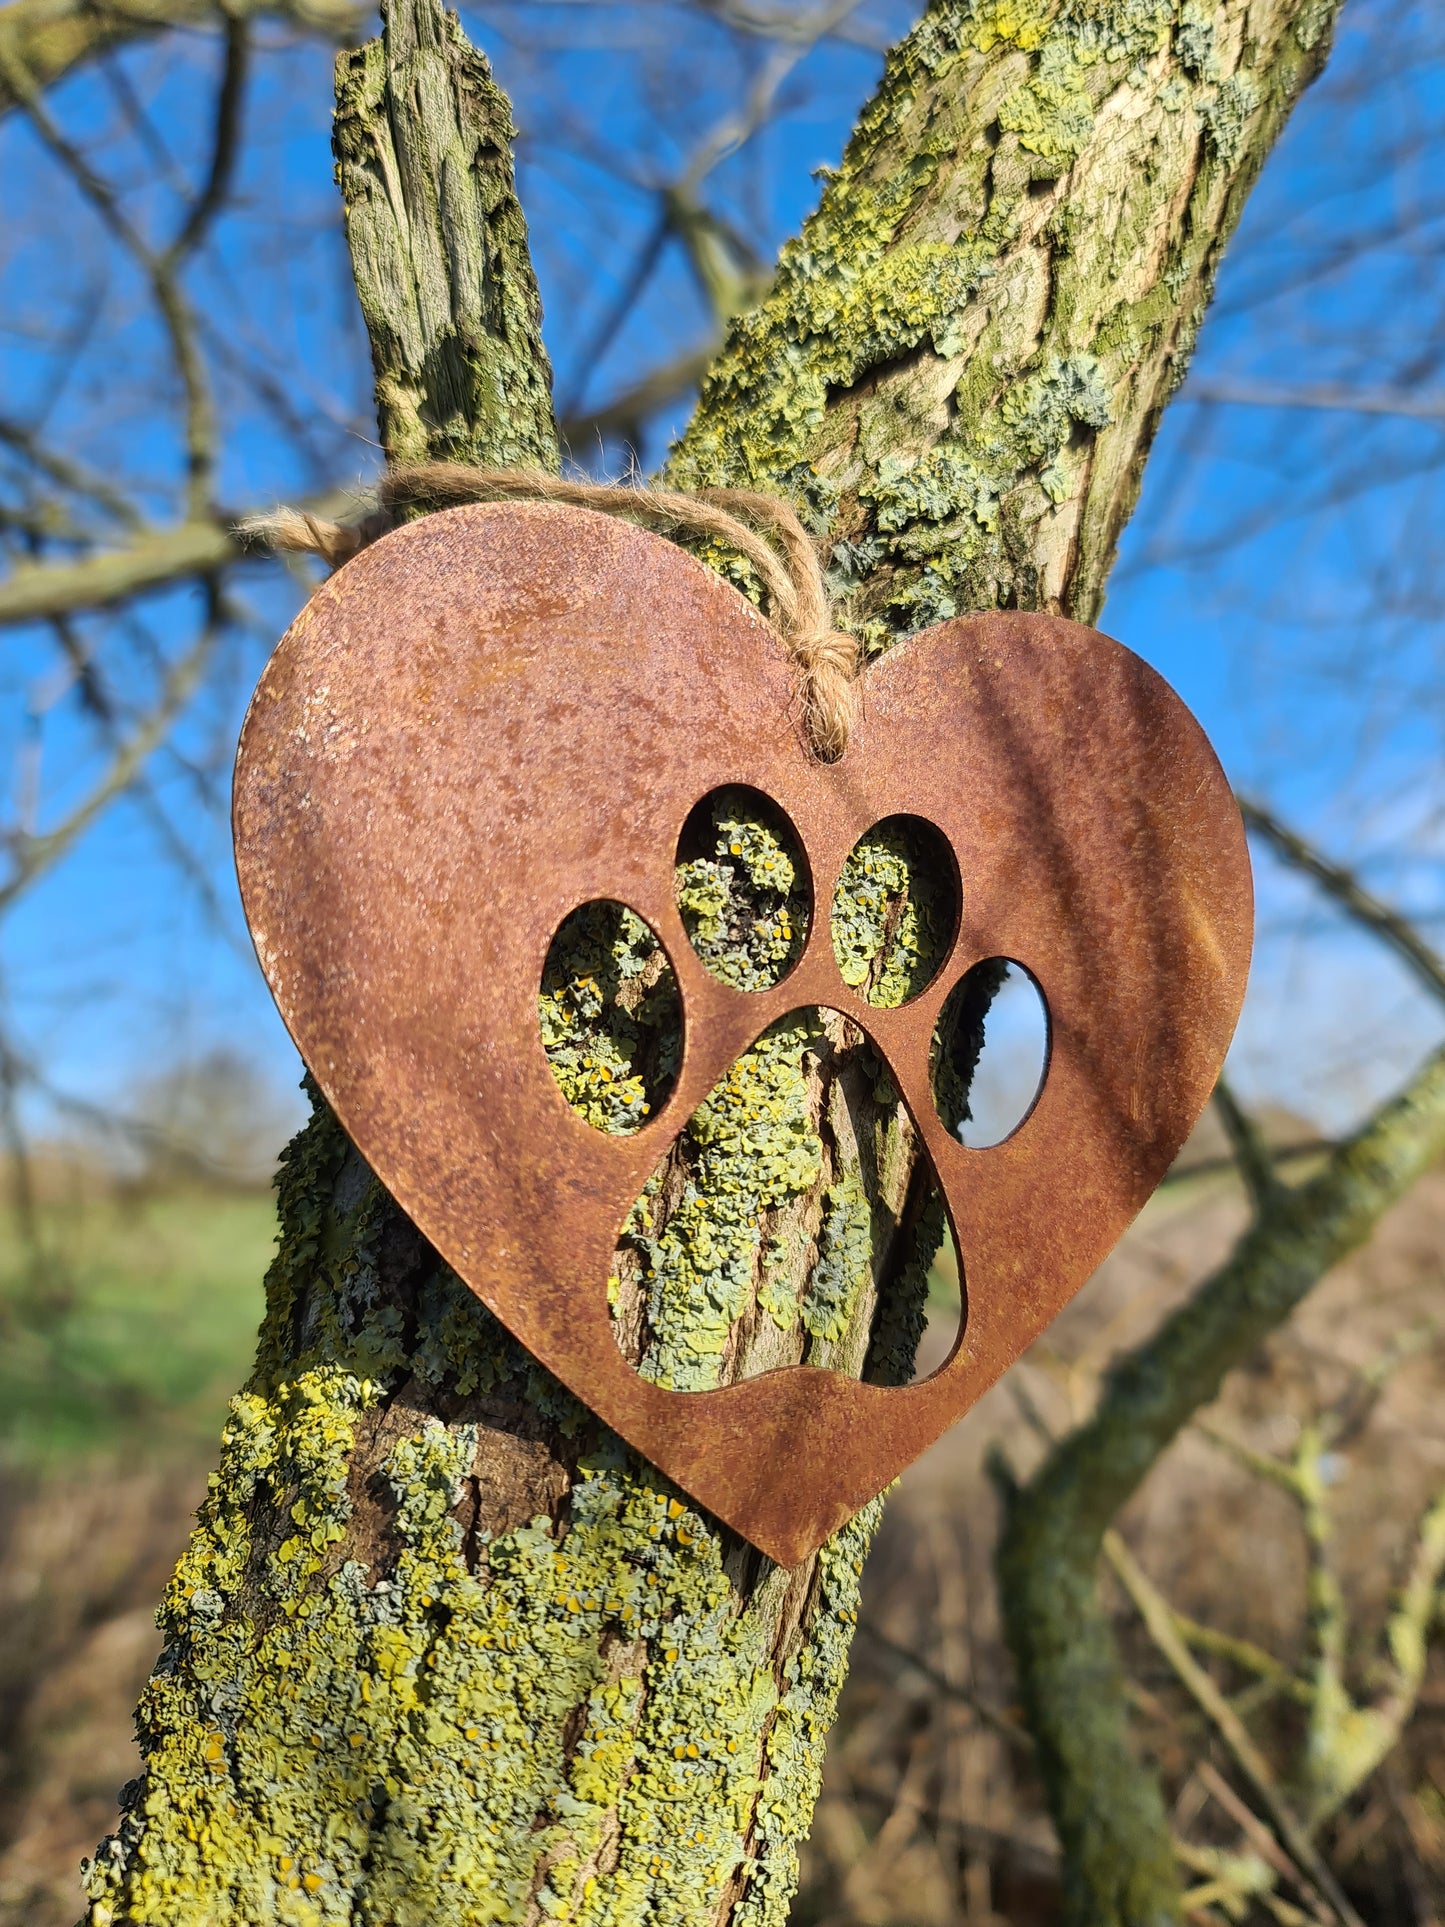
(141, 1323)
(135, 1327)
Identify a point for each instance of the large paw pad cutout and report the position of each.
(499, 716)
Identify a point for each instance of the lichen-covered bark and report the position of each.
(966, 352)
(423, 144)
(441, 1649)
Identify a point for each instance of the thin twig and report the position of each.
(160, 269)
(1351, 895)
(1246, 1141)
(225, 142)
(34, 854)
(1158, 1618)
(990, 1715)
(1279, 1155)
(1326, 395)
(1256, 1832)
(69, 473)
(1244, 1654)
(1263, 1465)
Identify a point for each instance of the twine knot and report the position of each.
(760, 528)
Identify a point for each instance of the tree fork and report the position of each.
(441, 1650)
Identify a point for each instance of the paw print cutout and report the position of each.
(795, 1214)
(499, 715)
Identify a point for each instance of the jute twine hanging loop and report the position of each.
(760, 528)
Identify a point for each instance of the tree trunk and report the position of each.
(441, 1649)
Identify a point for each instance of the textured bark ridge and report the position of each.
(423, 144)
(967, 351)
(441, 1649)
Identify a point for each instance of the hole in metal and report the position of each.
(610, 1017)
(895, 910)
(990, 1053)
(743, 889)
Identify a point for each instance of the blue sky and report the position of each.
(1284, 571)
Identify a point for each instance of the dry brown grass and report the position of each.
(83, 1560)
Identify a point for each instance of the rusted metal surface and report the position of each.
(499, 713)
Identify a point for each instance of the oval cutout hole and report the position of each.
(990, 1053)
(743, 889)
(895, 910)
(610, 1017)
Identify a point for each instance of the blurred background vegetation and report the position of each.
(181, 346)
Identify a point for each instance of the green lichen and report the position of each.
(855, 294)
(795, 1744)
(894, 912)
(1053, 112)
(751, 1150)
(744, 897)
(1227, 115)
(461, 372)
(845, 1251)
(1196, 43)
(610, 1017)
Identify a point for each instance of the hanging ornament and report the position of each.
(500, 713)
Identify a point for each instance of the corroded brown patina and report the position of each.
(498, 713)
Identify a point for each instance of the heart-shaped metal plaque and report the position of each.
(499, 713)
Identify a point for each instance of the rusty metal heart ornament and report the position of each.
(497, 714)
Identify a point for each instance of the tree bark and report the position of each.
(423, 142)
(441, 1649)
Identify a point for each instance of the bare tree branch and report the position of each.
(157, 559)
(160, 270)
(625, 415)
(69, 474)
(1401, 936)
(45, 39)
(32, 855)
(224, 145)
(1251, 1154)
(1326, 395)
